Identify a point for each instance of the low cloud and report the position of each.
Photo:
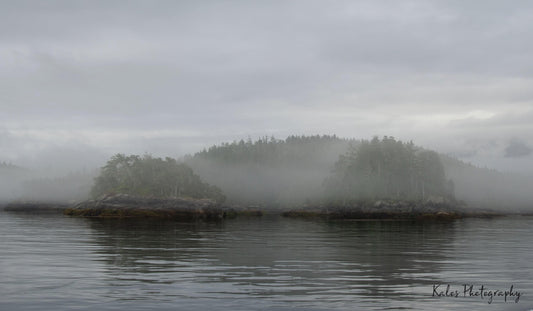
(517, 149)
(179, 76)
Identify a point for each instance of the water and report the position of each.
(54, 262)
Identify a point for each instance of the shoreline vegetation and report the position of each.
(300, 177)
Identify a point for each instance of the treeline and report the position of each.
(275, 152)
(8, 166)
(149, 176)
(315, 169)
(271, 172)
(298, 170)
(489, 188)
(388, 169)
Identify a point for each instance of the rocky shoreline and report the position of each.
(128, 206)
(392, 209)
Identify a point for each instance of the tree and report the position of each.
(148, 176)
(388, 169)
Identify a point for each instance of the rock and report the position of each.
(436, 208)
(123, 205)
(436, 200)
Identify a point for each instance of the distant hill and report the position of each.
(269, 171)
(10, 177)
(275, 173)
(272, 172)
(72, 187)
(488, 188)
(20, 183)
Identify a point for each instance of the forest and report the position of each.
(281, 173)
(150, 176)
(271, 172)
(317, 169)
(388, 169)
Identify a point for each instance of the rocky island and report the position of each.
(125, 205)
(390, 209)
(129, 206)
(374, 179)
(133, 186)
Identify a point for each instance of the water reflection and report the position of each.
(275, 258)
(146, 246)
(64, 263)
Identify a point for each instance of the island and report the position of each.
(307, 177)
(135, 186)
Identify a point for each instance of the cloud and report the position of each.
(517, 149)
(177, 76)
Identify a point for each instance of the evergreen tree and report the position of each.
(388, 169)
(149, 176)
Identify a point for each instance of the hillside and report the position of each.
(488, 188)
(277, 173)
(271, 172)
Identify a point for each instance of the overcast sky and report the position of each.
(86, 79)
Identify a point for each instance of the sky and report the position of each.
(82, 80)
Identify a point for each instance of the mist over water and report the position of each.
(25, 184)
(490, 188)
(293, 173)
(225, 88)
(268, 173)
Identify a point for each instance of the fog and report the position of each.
(53, 174)
(489, 188)
(82, 81)
(275, 173)
(23, 184)
(268, 173)
(295, 176)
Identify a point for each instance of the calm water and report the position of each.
(52, 262)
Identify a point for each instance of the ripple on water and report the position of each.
(260, 264)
